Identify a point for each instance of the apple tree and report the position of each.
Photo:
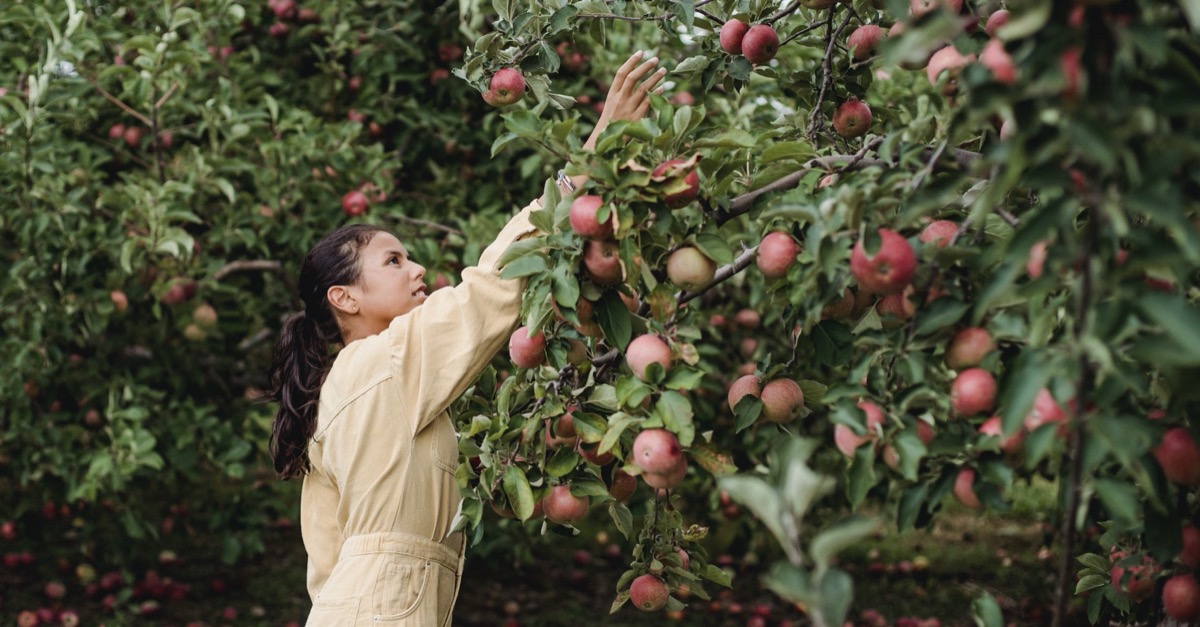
(939, 247)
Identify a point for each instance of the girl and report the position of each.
(367, 426)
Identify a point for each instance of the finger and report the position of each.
(653, 80)
(641, 70)
(623, 71)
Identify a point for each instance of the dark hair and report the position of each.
(306, 342)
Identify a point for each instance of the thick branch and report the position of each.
(247, 265)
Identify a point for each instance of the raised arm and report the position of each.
(441, 346)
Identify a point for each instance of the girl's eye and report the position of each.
(394, 259)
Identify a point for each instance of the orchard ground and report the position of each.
(932, 573)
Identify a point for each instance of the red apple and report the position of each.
(690, 177)
(1181, 598)
(563, 507)
(645, 350)
(1037, 259)
(689, 269)
(848, 441)
(1190, 555)
(731, 36)
(657, 451)
(865, 40)
(527, 351)
(667, 480)
(995, 21)
(506, 87)
(968, 348)
(938, 233)
(116, 131)
(852, 119)
(120, 300)
(776, 253)
(973, 392)
(584, 221)
(649, 593)
(995, 58)
(602, 262)
(891, 268)
(622, 485)
(133, 136)
(1139, 583)
(747, 319)
(921, 7)
(1045, 409)
(354, 203)
(746, 385)
(783, 401)
(760, 44)
(1179, 457)
(895, 309)
(948, 59)
(964, 489)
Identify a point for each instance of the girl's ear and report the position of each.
(342, 299)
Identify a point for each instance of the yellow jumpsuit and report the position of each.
(378, 505)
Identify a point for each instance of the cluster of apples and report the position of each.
(758, 43)
(1134, 576)
(286, 12)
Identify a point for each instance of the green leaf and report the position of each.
(564, 461)
(692, 64)
(715, 247)
(524, 266)
(940, 314)
(520, 248)
(622, 518)
(728, 139)
(838, 537)
(716, 575)
(615, 320)
(561, 19)
(676, 414)
(761, 498)
(986, 611)
(1094, 562)
(1091, 582)
(747, 411)
(520, 495)
(1120, 500)
(1179, 320)
(837, 592)
(861, 475)
(789, 582)
(712, 459)
(793, 150)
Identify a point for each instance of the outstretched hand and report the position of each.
(629, 96)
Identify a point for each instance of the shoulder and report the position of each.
(358, 368)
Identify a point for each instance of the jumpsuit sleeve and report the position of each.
(438, 348)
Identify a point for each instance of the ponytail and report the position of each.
(301, 360)
(306, 347)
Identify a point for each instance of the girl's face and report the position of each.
(391, 284)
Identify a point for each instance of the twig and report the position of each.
(607, 358)
(723, 274)
(163, 100)
(429, 225)
(802, 31)
(117, 101)
(815, 119)
(246, 265)
(1007, 217)
(782, 13)
(925, 171)
(254, 340)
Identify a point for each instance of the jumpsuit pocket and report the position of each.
(333, 613)
(400, 589)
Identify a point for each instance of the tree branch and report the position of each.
(743, 203)
(117, 101)
(723, 274)
(247, 265)
(429, 225)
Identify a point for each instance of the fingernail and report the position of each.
(638, 53)
(654, 59)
